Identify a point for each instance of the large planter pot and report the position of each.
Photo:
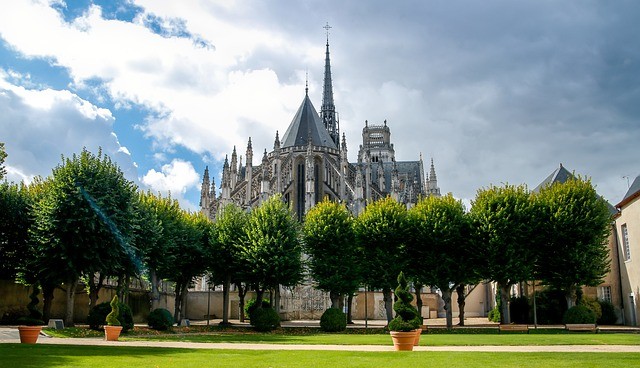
(403, 340)
(416, 342)
(29, 334)
(111, 333)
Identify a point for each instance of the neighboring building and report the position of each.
(627, 227)
(310, 163)
(610, 288)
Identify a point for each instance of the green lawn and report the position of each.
(426, 339)
(18, 355)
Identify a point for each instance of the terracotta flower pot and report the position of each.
(29, 334)
(403, 340)
(111, 333)
(416, 342)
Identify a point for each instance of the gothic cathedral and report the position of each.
(310, 163)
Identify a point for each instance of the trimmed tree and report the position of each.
(506, 223)
(441, 248)
(329, 241)
(84, 222)
(225, 262)
(272, 247)
(381, 231)
(575, 252)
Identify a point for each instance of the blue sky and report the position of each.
(494, 91)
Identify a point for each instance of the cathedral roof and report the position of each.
(307, 124)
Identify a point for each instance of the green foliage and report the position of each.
(252, 305)
(506, 223)
(494, 315)
(15, 219)
(265, 319)
(519, 309)
(407, 317)
(381, 231)
(579, 314)
(98, 315)
(3, 156)
(550, 306)
(577, 227)
(330, 243)
(593, 305)
(84, 220)
(112, 317)
(609, 316)
(160, 319)
(333, 320)
(272, 245)
(441, 251)
(225, 260)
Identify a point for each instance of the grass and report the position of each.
(428, 339)
(17, 355)
(315, 337)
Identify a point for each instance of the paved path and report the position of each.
(10, 335)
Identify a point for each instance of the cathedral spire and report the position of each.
(328, 110)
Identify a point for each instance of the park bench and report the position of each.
(588, 327)
(514, 328)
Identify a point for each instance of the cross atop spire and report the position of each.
(327, 27)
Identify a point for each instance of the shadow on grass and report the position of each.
(41, 355)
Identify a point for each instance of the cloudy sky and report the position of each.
(494, 91)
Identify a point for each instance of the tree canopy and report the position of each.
(441, 250)
(575, 251)
(272, 246)
(381, 231)
(330, 243)
(506, 222)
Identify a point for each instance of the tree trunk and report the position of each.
(276, 300)
(461, 303)
(181, 290)
(388, 303)
(47, 301)
(418, 291)
(71, 293)
(242, 292)
(94, 289)
(259, 296)
(446, 296)
(335, 299)
(225, 301)
(155, 292)
(350, 309)
(505, 318)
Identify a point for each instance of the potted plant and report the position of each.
(31, 326)
(405, 326)
(113, 327)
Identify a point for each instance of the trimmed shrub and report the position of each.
(579, 314)
(519, 309)
(251, 305)
(98, 315)
(593, 305)
(160, 319)
(333, 320)
(609, 316)
(494, 315)
(112, 317)
(407, 318)
(265, 319)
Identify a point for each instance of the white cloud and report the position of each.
(38, 126)
(175, 179)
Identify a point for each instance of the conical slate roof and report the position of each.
(307, 124)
